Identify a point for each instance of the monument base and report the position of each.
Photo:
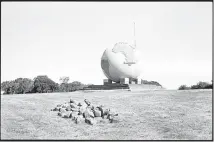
(107, 81)
(112, 86)
(130, 81)
(124, 81)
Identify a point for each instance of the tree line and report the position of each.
(40, 84)
(43, 84)
(199, 85)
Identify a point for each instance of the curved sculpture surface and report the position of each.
(121, 61)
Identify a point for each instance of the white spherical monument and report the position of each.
(121, 61)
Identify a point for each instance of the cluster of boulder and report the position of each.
(84, 112)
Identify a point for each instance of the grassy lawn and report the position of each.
(146, 115)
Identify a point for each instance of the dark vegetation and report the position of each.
(40, 84)
(199, 85)
(150, 82)
(43, 84)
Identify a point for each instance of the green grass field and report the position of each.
(146, 115)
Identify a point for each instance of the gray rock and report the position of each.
(88, 113)
(90, 121)
(81, 110)
(68, 108)
(73, 115)
(62, 110)
(66, 115)
(59, 114)
(65, 105)
(73, 101)
(111, 117)
(84, 105)
(72, 105)
(75, 109)
(91, 107)
(70, 114)
(97, 112)
(101, 110)
(79, 104)
(59, 105)
(56, 109)
(79, 119)
(106, 112)
(87, 102)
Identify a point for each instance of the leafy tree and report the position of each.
(8, 87)
(23, 85)
(70, 87)
(64, 79)
(5, 86)
(64, 84)
(43, 84)
(183, 87)
(202, 85)
(18, 86)
(64, 87)
(77, 85)
(194, 87)
(210, 86)
(150, 82)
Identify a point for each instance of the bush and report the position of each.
(194, 87)
(8, 87)
(70, 87)
(199, 85)
(202, 85)
(64, 79)
(183, 87)
(18, 86)
(23, 85)
(43, 84)
(210, 86)
(150, 82)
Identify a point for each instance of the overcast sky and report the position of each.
(68, 39)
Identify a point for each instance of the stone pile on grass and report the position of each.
(84, 112)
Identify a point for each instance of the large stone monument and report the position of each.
(121, 64)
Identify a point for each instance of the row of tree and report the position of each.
(199, 85)
(40, 84)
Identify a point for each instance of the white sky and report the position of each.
(68, 39)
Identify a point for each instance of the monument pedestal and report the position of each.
(138, 81)
(130, 81)
(107, 81)
(124, 81)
